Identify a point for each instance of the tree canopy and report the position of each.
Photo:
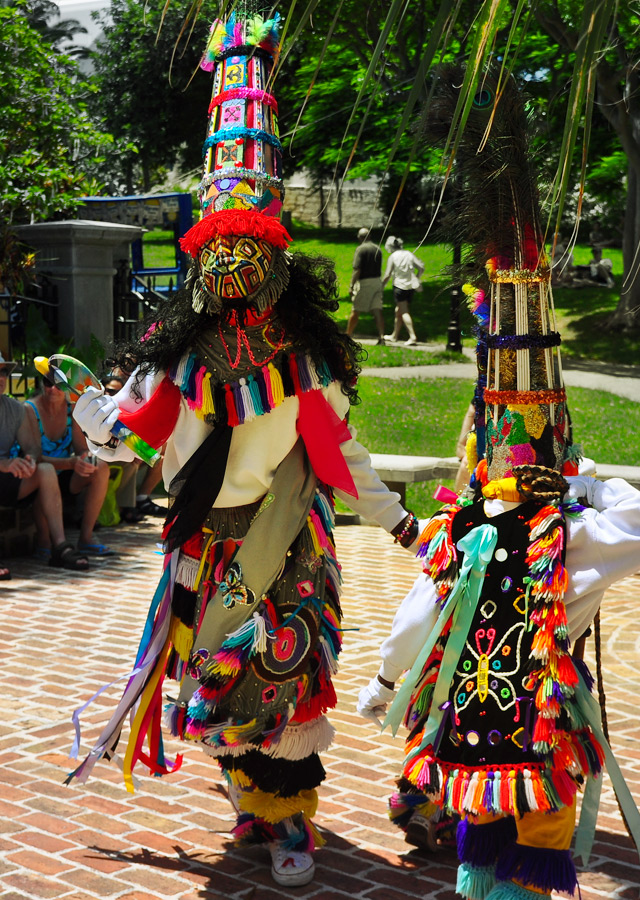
(153, 97)
(49, 145)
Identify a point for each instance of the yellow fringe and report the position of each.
(239, 779)
(181, 636)
(208, 407)
(277, 388)
(471, 450)
(273, 809)
(203, 558)
(317, 548)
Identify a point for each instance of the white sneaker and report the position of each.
(411, 342)
(290, 867)
(390, 338)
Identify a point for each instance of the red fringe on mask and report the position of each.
(235, 222)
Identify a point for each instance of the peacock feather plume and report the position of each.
(494, 211)
(494, 216)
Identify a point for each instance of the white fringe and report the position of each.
(467, 802)
(528, 789)
(187, 571)
(297, 742)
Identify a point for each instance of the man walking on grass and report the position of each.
(366, 285)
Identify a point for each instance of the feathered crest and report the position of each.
(234, 32)
(494, 212)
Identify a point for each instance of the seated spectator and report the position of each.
(22, 476)
(65, 448)
(601, 270)
(144, 503)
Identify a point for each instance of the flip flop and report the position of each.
(95, 549)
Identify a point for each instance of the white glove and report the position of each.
(373, 699)
(581, 487)
(96, 414)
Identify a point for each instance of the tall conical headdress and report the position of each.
(241, 191)
(497, 217)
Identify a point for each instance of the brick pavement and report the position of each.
(65, 635)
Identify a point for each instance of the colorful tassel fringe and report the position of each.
(480, 845)
(473, 882)
(508, 890)
(240, 401)
(538, 867)
(235, 32)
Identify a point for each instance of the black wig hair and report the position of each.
(302, 309)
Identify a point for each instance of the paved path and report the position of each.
(63, 636)
(620, 380)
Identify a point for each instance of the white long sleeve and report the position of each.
(412, 625)
(603, 546)
(375, 501)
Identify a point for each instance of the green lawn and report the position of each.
(581, 312)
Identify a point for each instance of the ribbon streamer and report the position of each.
(478, 546)
(585, 833)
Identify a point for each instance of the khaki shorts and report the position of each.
(367, 295)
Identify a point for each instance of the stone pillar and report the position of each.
(80, 257)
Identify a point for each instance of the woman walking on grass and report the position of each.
(405, 270)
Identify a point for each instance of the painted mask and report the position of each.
(234, 267)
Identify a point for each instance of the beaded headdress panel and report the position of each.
(239, 242)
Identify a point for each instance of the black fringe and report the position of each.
(282, 777)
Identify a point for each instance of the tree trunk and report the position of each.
(146, 176)
(322, 204)
(129, 175)
(627, 313)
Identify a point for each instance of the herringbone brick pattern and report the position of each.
(64, 635)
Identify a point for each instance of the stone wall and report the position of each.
(357, 208)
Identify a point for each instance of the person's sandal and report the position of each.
(5, 574)
(130, 515)
(149, 508)
(65, 556)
